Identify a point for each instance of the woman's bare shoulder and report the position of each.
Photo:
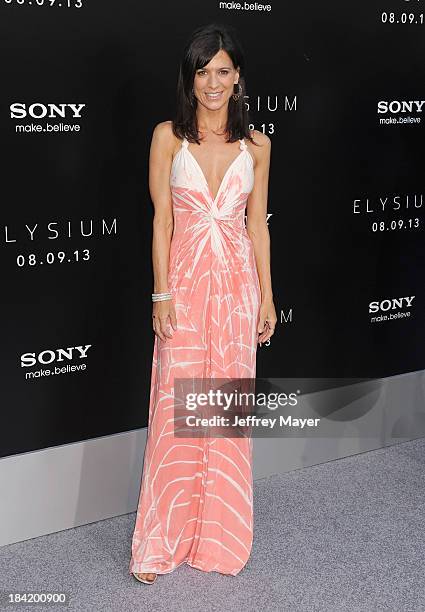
(260, 138)
(163, 136)
(163, 129)
(263, 150)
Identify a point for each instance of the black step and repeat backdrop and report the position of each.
(339, 89)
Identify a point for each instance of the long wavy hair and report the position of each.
(201, 47)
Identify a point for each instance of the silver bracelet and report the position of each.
(159, 297)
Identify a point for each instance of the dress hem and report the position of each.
(152, 570)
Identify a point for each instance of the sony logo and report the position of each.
(38, 110)
(48, 356)
(391, 304)
(397, 106)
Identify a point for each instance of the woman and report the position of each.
(212, 305)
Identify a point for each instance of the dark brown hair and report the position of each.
(201, 47)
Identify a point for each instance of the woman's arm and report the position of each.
(258, 232)
(160, 160)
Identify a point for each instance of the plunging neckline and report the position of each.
(185, 143)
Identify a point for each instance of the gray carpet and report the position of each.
(347, 535)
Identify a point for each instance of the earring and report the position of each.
(237, 95)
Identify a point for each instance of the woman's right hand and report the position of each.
(164, 315)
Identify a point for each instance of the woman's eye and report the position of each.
(203, 72)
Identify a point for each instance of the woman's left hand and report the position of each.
(267, 320)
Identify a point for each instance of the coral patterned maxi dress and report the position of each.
(195, 503)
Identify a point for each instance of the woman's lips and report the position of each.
(213, 96)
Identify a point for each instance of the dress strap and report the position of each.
(185, 142)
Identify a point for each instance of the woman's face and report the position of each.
(213, 84)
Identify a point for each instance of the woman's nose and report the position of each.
(213, 81)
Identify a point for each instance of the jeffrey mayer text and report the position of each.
(222, 421)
